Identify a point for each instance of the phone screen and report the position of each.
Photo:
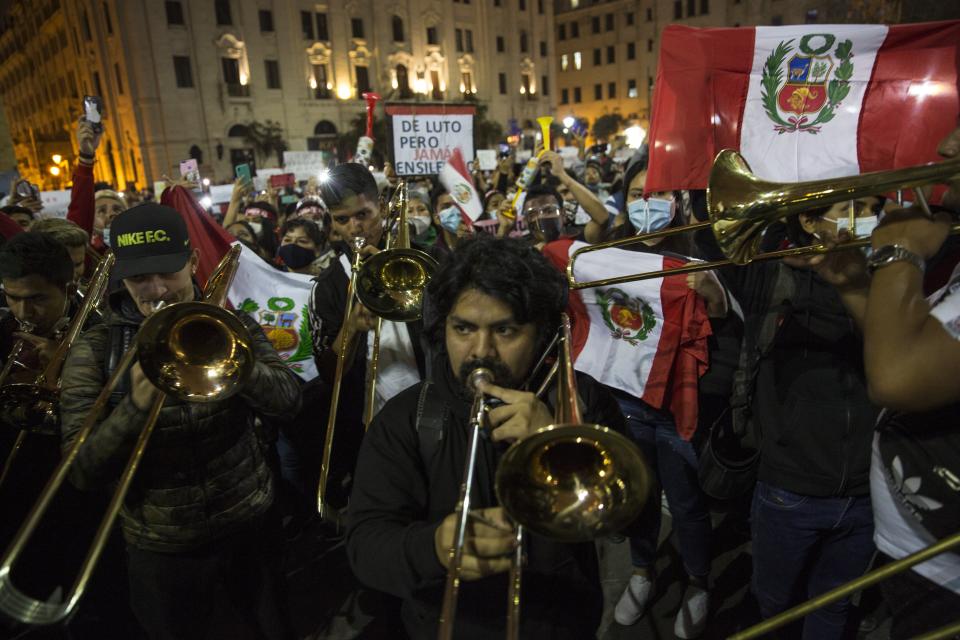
(243, 171)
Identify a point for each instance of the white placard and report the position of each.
(487, 159)
(523, 155)
(303, 164)
(570, 155)
(220, 193)
(262, 180)
(423, 142)
(55, 203)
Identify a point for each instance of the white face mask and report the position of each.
(256, 226)
(863, 227)
(106, 236)
(420, 224)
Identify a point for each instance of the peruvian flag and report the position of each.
(802, 102)
(646, 338)
(458, 183)
(277, 300)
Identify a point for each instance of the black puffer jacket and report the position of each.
(204, 474)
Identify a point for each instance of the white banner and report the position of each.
(278, 301)
(304, 164)
(220, 193)
(423, 142)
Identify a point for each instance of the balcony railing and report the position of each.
(238, 90)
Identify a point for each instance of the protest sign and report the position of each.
(487, 159)
(55, 203)
(424, 137)
(220, 193)
(303, 164)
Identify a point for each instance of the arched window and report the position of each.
(238, 131)
(196, 154)
(398, 29)
(403, 82)
(325, 128)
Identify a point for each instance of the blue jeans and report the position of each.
(673, 462)
(804, 546)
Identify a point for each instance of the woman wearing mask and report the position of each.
(260, 215)
(303, 248)
(242, 231)
(450, 221)
(420, 217)
(671, 456)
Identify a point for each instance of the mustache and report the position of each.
(502, 376)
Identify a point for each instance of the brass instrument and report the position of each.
(205, 345)
(741, 207)
(35, 407)
(16, 350)
(390, 284)
(569, 481)
(857, 584)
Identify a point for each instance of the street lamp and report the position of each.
(55, 171)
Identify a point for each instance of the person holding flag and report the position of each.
(648, 341)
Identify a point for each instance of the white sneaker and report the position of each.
(633, 602)
(692, 617)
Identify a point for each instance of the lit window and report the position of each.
(577, 62)
(564, 62)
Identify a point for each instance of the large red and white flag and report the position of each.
(647, 338)
(458, 183)
(277, 300)
(802, 102)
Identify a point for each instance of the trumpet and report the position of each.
(569, 481)
(741, 207)
(195, 351)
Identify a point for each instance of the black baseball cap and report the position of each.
(149, 238)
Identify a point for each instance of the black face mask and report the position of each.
(295, 256)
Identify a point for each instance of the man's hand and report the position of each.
(489, 542)
(913, 230)
(88, 139)
(845, 270)
(142, 391)
(45, 347)
(369, 250)
(522, 415)
(361, 319)
(553, 163)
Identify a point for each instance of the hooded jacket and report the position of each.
(399, 499)
(203, 475)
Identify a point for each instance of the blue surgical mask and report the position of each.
(652, 214)
(106, 236)
(450, 219)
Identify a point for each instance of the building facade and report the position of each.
(187, 78)
(607, 52)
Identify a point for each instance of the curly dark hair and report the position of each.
(311, 228)
(507, 269)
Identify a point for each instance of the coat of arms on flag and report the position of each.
(809, 90)
(280, 324)
(630, 319)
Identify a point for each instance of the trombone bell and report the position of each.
(196, 351)
(573, 482)
(391, 283)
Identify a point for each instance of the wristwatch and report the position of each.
(888, 254)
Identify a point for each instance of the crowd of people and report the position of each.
(834, 370)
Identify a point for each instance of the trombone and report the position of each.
(741, 207)
(569, 481)
(390, 284)
(35, 407)
(194, 351)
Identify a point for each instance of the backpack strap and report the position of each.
(431, 422)
(120, 338)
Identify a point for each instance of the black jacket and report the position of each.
(811, 394)
(204, 474)
(399, 499)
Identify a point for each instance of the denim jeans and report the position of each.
(674, 464)
(804, 546)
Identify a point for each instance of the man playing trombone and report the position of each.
(198, 521)
(495, 304)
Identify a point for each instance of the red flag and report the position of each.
(9, 226)
(212, 240)
(455, 177)
(802, 102)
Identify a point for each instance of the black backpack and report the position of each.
(730, 457)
